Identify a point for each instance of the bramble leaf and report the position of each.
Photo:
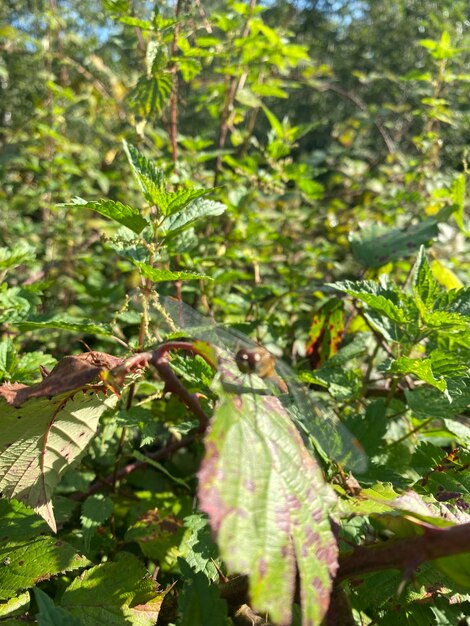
(25, 562)
(95, 511)
(50, 614)
(40, 439)
(200, 602)
(114, 594)
(269, 506)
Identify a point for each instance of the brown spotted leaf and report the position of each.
(40, 439)
(71, 373)
(269, 506)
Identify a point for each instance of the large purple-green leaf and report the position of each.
(40, 439)
(269, 506)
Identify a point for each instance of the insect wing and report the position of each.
(332, 439)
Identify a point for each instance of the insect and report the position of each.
(246, 367)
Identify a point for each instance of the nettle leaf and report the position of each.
(392, 312)
(118, 212)
(150, 94)
(429, 402)
(422, 368)
(40, 439)
(65, 322)
(50, 614)
(16, 303)
(23, 563)
(376, 247)
(269, 506)
(385, 300)
(174, 201)
(115, 594)
(160, 275)
(196, 210)
(425, 287)
(150, 179)
(20, 254)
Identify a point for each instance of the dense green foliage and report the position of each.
(297, 171)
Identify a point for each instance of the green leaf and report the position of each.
(141, 457)
(16, 303)
(20, 254)
(114, 594)
(118, 212)
(198, 547)
(385, 300)
(65, 322)
(422, 368)
(174, 201)
(429, 402)
(425, 287)
(135, 21)
(96, 509)
(150, 94)
(39, 441)
(18, 521)
(159, 275)
(50, 614)
(150, 179)
(269, 506)
(23, 563)
(275, 123)
(458, 197)
(199, 601)
(196, 210)
(457, 567)
(18, 605)
(376, 247)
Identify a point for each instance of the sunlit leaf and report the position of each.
(40, 440)
(160, 275)
(24, 563)
(118, 212)
(114, 594)
(150, 179)
(182, 220)
(65, 322)
(269, 506)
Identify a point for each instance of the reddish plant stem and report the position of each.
(406, 554)
(159, 360)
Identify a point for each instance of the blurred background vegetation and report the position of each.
(322, 125)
